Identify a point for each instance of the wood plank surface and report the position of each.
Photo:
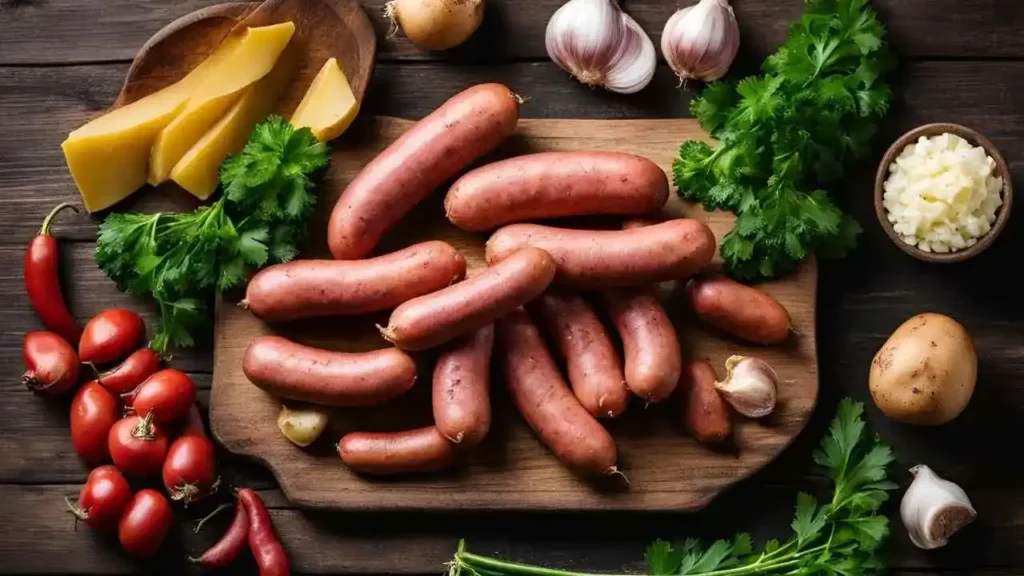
(47, 103)
(72, 31)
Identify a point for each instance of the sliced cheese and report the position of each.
(253, 58)
(198, 171)
(108, 156)
(328, 106)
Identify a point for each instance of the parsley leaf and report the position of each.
(180, 259)
(786, 134)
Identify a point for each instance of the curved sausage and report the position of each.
(555, 185)
(318, 288)
(592, 363)
(434, 319)
(740, 310)
(433, 151)
(653, 361)
(295, 372)
(547, 404)
(705, 412)
(387, 453)
(613, 258)
(462, 394)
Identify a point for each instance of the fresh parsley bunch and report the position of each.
(180, 259)
(840, 537)
(785, 135)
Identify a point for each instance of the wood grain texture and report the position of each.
(78, 31)
(47, 103)
(512, 469)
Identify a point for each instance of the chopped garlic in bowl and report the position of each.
(941, 194)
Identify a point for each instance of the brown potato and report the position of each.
(925, 372)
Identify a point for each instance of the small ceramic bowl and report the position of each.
(1002, 170)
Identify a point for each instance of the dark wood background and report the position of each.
(62, 61)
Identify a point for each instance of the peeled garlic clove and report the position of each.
(600, 46)
(302, 425)
(934, 509)
(750, 386)
(700, 42)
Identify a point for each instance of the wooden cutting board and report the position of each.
(666, 469)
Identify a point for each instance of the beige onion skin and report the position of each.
(437, 24)
(926, 371)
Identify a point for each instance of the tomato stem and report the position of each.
(144, 431)
(45, 228)
(218, 510)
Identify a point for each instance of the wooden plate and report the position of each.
(323, 29)
(511, 470)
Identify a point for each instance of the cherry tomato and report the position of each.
(189, 470)
(192, 425)
(133, 371)
(103, 498)
(168, 394)
(93, 413)
(110, 336)
(145, 523)
(50, 362)
(137, 446)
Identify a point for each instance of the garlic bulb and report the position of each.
(934, 509)
(600, 45)
(750, 386)
(700, 42)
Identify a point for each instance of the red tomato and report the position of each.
(145, 523)
(103, 498)
(168, 394)
(189, 470)
(110, 336)
(126, 376)
(137, 446)
(192, 425)
(50, 362)
(93, 413)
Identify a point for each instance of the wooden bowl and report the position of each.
(1002, 170)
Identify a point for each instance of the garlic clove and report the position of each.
(933, 509)
(700, 42)
(750, 386)
(600, 45)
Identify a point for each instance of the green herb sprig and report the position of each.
(840, 537)
(785, 135)
(180, 259)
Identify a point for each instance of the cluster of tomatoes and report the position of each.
(134, 414)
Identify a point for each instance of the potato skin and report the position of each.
(705, 412)
(925, 372)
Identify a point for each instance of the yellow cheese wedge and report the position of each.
(109, 155)
(252, 59)
(198, 171)
(329, 105)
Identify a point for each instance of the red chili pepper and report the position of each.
(230, 544)
(126, 376)
(42, 281)
(266, 548)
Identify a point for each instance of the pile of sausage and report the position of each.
(533, 270)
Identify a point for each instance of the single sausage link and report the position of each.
(740, 310)
(555, 185)
(436, 318)
(592, 363)
(430, 153)
(461, 393)
(292, 371)
(546, 403)
(388, 453)
(653, 361)
(613, 258)
(318, 288)
(705, 412)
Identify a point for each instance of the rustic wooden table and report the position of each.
(62, 61)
